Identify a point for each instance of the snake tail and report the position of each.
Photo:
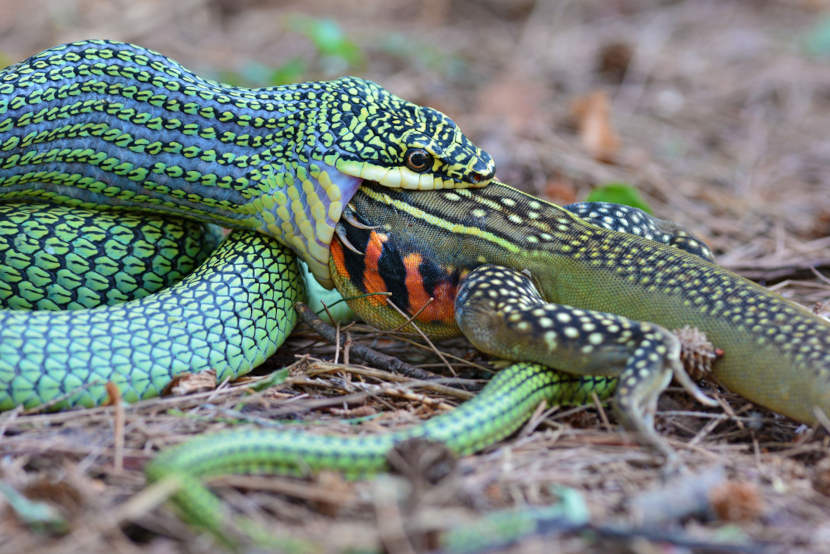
(502, 406)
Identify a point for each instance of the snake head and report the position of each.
(381, 137)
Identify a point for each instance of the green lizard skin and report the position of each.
(100, 123)
(776, 353)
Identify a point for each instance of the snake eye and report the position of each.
(418, 160)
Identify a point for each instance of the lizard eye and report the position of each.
(418, 160)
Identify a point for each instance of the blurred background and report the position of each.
(715, 111)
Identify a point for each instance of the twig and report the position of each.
(312, 491)
(118, 425)
(47, 405)
(432, 384)
(821, 276)
(774, 273)
(390, 521)
(538, 416)
(601, 410)
(446, 354)
(138, 505)
(411, 319)
(708, 428)
(9, 417)
(423, 336)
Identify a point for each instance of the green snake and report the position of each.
(323, 168)
(104, 123)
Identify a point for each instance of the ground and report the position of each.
(716, 111)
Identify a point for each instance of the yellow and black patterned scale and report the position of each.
(106, 123)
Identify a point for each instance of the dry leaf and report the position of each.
(736, 501)
(821, 477)
(560, 190)
(339, 490)
(592, 113)
(613, 60)
(514, 99)
(189, 383)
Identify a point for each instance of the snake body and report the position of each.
(104, 123)
(64, 258)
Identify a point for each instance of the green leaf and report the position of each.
(619, 193)
(39, 516)
(276, 378)
(228, 77)
(291, 71)
(424, 55)
(503, 527)
(328, 38)
(817, 40)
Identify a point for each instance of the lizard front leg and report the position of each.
(500, 311)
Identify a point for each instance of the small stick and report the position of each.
(423, 336)
(602, 415)
(411, 319)
(434, 384)
(118, 424)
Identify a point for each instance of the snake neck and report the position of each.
(107, 123)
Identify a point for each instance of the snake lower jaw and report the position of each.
(401, 177)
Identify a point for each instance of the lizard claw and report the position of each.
(690, 386)
(341, 234)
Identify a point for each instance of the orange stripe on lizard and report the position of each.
(441, 308)
(336, 250)
(372, 279)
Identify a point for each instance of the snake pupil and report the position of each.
(418, 160)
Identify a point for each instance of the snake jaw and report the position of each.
(401, 177)
(304, 215)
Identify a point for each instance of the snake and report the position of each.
(102, 123)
